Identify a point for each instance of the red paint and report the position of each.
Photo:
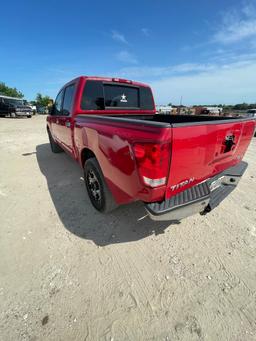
(181, 153)
(198, 151)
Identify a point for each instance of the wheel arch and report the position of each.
(85, 155)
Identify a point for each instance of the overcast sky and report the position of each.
(202, 50)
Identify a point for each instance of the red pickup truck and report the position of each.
(177, 165)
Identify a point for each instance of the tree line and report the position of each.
(229, 107)
(226, 107)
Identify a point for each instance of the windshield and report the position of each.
(15, 102)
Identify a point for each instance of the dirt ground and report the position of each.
(68, 272)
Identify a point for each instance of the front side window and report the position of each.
(68, 100)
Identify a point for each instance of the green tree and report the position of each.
(42, 101)
(241, 106)
(7, 91)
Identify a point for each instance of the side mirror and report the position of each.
(51, 110)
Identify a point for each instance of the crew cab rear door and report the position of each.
(202, 150)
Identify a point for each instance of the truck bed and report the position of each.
(195, 120)
(167, 120)
(200, 146)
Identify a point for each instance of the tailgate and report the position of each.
(202, 150)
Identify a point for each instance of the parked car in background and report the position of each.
(164, 109)
(251, 113)
(14, 107)
(43, 110)
(33, 108)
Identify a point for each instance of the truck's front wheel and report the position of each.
(99, 194)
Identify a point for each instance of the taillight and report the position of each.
(153, 162)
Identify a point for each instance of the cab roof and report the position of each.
(109, 79)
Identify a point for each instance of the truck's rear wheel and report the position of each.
(99, 194)
(54, 146)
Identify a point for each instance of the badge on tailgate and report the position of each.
(182, 184)
(228, 143)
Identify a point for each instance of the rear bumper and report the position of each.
(201, 198)
(23, 113)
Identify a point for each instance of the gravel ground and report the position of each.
(70, 273)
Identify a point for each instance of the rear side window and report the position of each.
(58, 104)
(93, 96)
(68, 100)
(99, 96)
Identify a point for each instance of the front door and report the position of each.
(56, 115)
(65, 120)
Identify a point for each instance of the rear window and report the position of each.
(100, 96)
(121, 96)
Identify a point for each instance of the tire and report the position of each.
(98, 192)
(29, 116)
(55, 148)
